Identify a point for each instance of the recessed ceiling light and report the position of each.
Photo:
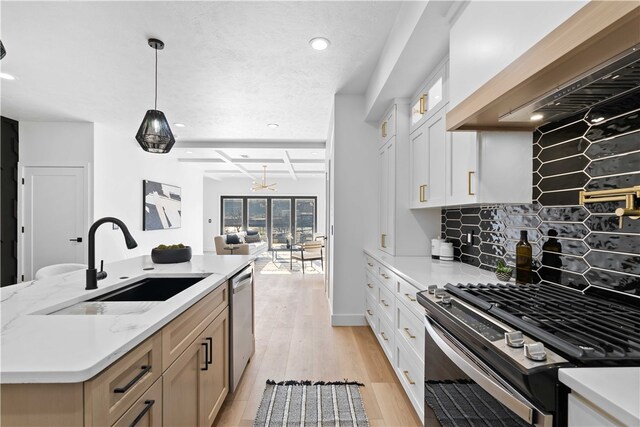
(319, 43)
(273, 125)
(314, 154)
(536, 117)
(189, 152)
(597, 119)
(179, 125)
(6, 76)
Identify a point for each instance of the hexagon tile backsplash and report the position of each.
(598, 150)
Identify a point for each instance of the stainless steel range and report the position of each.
(493, 351)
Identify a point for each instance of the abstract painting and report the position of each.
(162, 206)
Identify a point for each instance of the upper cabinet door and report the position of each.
(387, 128)
(428, 156)
(462, 168)
(431, 97)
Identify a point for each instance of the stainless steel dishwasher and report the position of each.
(242, 336)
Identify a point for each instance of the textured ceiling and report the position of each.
(228, 69)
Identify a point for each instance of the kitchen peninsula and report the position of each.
(70, 361)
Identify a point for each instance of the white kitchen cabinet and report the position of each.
(428, 159)
(488, 167)
(583, 413)
(432, 96)
(387, 185)
(388, 126)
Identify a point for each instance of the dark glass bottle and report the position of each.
(523, 259)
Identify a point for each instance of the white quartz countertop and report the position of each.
(65, 348)
(614, 390)
(422, 271)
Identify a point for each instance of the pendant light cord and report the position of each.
(156, 88)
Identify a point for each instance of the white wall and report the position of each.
(354, 204)
(213, 190)
(120, 167)
(56, 143)
(489, 35)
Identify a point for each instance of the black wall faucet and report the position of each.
(92, 274)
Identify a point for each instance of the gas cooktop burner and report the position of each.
(584, 328)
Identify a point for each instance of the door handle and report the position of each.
(77, 239)
(210, 349)
(206, 356)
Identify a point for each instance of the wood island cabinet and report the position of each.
(177, 377)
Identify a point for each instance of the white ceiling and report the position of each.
(218, 163)
(228, 69)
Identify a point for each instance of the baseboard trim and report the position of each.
(348, 320)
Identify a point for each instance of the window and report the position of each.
(257, 216)
(232, 218)
(279, 220)
(305, 220)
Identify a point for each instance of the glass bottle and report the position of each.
(523, 259)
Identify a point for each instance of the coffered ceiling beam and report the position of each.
(287, 161)
(229, 161)
(286, 145)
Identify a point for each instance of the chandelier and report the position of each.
(261, 186)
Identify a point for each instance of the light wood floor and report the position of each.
(295, 341)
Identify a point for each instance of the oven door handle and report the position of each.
(482, 376)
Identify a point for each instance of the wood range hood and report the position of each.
(598, 32)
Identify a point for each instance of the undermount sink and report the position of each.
(136, 298)
(150, 289)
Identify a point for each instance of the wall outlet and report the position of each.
(467, 237)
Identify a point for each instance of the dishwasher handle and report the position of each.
(239, 286)
(242, 280)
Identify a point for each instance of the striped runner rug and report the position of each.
(306, 403)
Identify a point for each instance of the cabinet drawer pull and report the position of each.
(383, 242)
(410, 298)
(206, 356)
(423, 101)
(384, 337)
(413, 337)
(147, 407)
(142, 373)
(210, 349)
(369, 264)
(406, 375)
(369, 285)
(384, 129)
(369, 312)
(470, 193)
(384, 303)
(385, 276)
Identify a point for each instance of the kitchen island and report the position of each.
(56, 344)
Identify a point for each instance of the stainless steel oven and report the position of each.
(449, 361)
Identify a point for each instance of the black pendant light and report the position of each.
(3, 52)
(155, 135)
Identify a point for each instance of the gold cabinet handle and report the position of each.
(412, 299)
(423, 102)
(423, 196)
(384, 129)
(470, 193)
(369, 285)
(385, 276)
(406, 375)
(369, 264)
(383, 240)
(384, 337)
(413, 337)
(369, 312)
(384, 303)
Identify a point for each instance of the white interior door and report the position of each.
(55, 217)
